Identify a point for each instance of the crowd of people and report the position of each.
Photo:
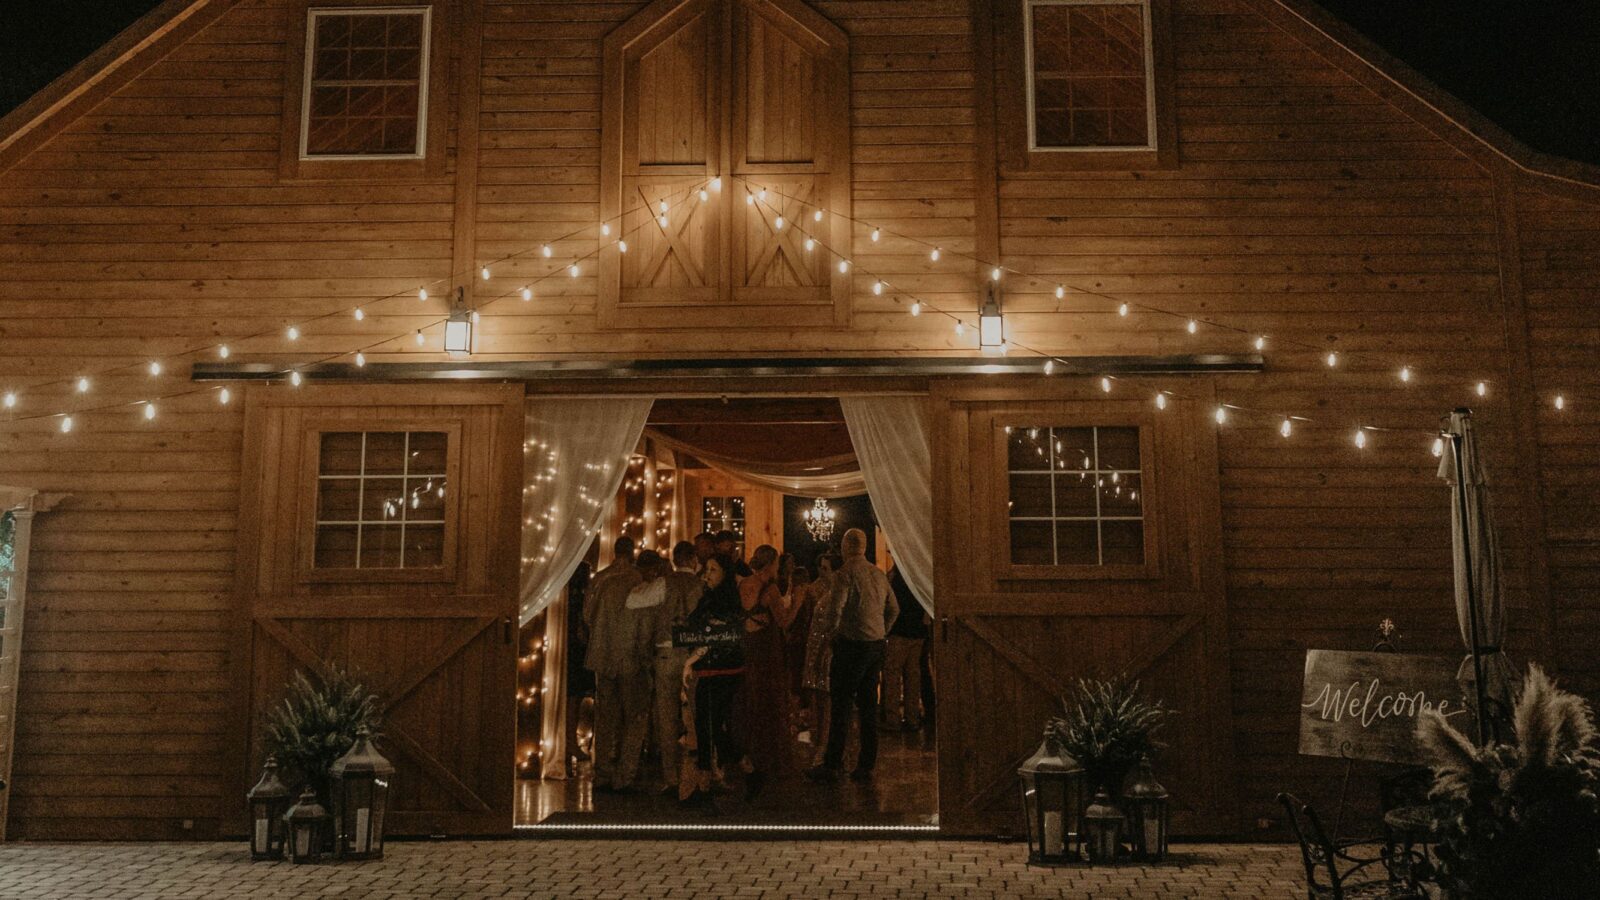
(728, 668)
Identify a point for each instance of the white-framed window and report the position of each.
(365, 92)
(1075, 495)
(381, 500)
(1090, 74)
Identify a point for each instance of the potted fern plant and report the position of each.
(1519, 819)
(317, 723)
(1108, 727)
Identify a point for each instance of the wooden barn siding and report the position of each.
(1560, 243)
(1305, 205)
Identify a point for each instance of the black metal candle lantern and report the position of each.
(308, 825)
(1102, 829)
(1052, 795)
(360, 798)
(1147, 808)
(269, 800)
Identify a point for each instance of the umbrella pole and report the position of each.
(1472, 595)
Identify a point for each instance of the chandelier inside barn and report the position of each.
(819, 520)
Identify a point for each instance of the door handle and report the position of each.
(506, 633)
(944, 628)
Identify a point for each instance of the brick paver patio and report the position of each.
(635, 869)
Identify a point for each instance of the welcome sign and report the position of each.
(1366, 705)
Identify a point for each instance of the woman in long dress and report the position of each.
(763, 710)
(819, 647)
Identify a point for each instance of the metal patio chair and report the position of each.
(1333, 870)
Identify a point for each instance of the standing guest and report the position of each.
(718, 667)
(683, 590)
(580, 681)
(797, 631)
(728, 545)
(705, 547)
(819, 646)
(763, 709)
(866, 608)
(622, 681)
(902, 671)
(787, 599)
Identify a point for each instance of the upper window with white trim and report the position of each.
(1090, 75)
(366, 83)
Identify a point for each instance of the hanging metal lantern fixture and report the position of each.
(1102, 829)
(269, 800)
(307, 824)
(1052, 795)
(360, 798)
(1147, 808)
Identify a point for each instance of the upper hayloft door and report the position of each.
(744, 103)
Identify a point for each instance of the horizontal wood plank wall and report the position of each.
(1303, 205)
(1560, 237)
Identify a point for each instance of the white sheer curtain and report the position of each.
(890, 435)
(830, 477)
(575, 454)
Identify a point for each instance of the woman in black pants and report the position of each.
(717, 625)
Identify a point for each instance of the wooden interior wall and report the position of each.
(1304, 204)
(763, 508)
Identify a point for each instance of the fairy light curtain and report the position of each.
(890, 436)
(575, 456)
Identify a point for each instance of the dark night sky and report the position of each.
(1520, 62)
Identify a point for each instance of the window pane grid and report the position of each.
(375, 521)
(365, 80)
(1076, 464)
(1089, 75)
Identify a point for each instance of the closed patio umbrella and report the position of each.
(1480, 600)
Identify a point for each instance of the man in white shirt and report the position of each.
(866, 607)
(620, 656)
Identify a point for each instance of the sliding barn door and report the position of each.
(725, 131)
(1077, 536)
(379, 535)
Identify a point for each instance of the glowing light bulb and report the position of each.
(295, 378)
(527, 294)
(10, 400)
(149, 411)
(1361, 438)
(422, 293)
(1161, 400)
(961, 327)
(1483, 388)
(66, 424)
(1333, 359)
(359, 314)
(82, 385)
(1105, 384)
(916, 308)
(293, 333)
(224, 396)
(1561, 402)
(420, 339)
(1222, 415)
(817, 216)
(1286, 428)
(1060, 292)
(1122, 310)
(155, 368)
(622, 246)
(572, 270)
(361, 359)
(749, 199)
(1193, 326)
(877, 287)
(777, 223)
(844, 266)
(810, 244)
(1049, 366)
(716, 183)
(875, 235)
(1261, 343)
(484, 273)
(1438, 446)
(224, 352)
(704, 196)
(994, 274)
(762, 195)
(934, 254)
(661, 220)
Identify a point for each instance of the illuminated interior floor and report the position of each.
(903, 792)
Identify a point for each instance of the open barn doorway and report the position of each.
(757, 479)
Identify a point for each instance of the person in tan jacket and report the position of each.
(619, 656)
